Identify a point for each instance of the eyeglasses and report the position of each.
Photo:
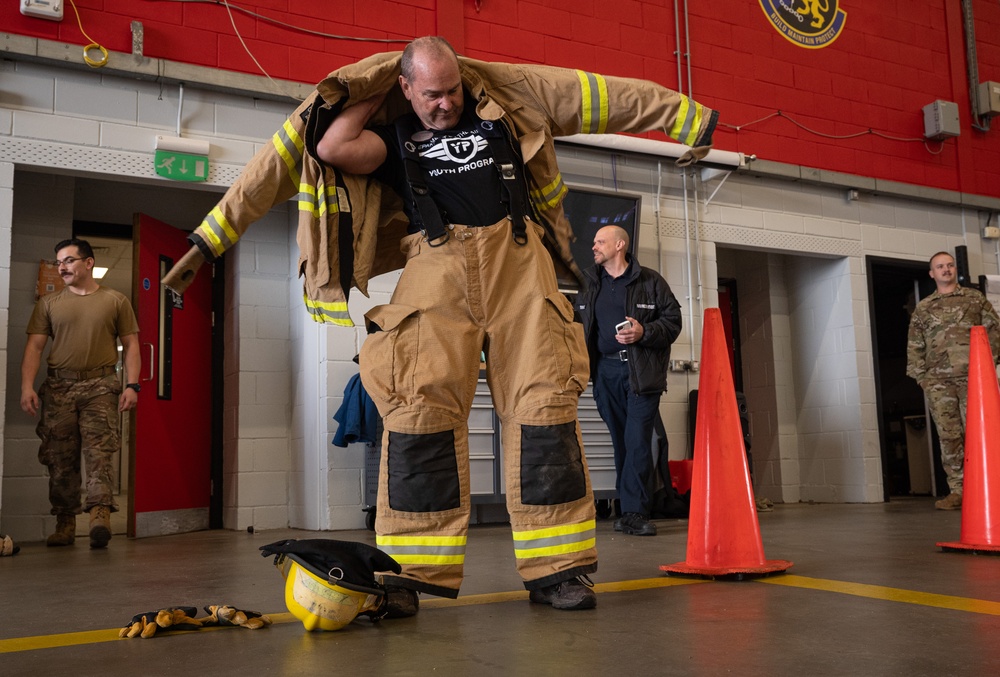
(69, 260)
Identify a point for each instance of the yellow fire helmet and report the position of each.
(329, 583)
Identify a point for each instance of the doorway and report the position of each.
(171, 485)
(911, 464)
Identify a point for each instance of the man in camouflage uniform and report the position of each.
(937, 357)
(81, 399)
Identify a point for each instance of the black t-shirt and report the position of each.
(457, 166)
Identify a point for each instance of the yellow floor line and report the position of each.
(17, 644)
(496, 597)
(977, 606)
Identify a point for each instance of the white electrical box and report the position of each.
(43, 9)
(941, 120)
(989, 98)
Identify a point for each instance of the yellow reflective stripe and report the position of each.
(307, 199)
(332, 201)
(309, 203)
(434, 550)
(561, 530)
(528, 553)
(439, 560)
(213, 240)
(549, 196)
(557, 540)
(594, 102)
(688, 121)
(331, 313)
(289, 145)
(421, 540)
(214, 228)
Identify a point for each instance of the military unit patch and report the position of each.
(808, 23)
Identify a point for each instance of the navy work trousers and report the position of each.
(629, 418)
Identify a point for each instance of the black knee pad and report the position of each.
(423, 472)
(551, 465)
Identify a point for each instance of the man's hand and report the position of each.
(128, 400)
(631, 335)
(30, 401)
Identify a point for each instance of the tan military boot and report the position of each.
(100, 526)
(952, 501)
(65, 532)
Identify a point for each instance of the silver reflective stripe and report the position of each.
(422, 549)
(552, 541)
(218, 229)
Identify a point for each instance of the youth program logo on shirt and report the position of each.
(808, 23)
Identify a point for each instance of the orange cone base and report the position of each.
(974, 548)
(771, 566)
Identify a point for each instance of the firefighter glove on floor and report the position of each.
(223, 614)
(148, 624)
(7, 547)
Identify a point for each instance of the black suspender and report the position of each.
(425, 213)
(515, 192)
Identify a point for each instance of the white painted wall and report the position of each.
(802, 244)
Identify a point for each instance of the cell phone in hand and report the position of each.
(621, 326)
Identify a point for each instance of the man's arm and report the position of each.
(30, 364)
(991, 321)
(916, 352)
(347, 145)
(664, 330)
(133, 365)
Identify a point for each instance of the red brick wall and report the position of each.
(892, 58)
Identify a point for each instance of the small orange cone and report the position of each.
(981, 486)
(723, 532)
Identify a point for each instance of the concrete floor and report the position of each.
(869, 594)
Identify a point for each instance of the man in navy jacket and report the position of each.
(630, 318)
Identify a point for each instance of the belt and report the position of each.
(620, 356)
(70, 375)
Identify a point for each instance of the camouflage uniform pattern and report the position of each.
(79, 416)
(947, 402)
(937, 357)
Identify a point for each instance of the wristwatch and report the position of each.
(134, 386)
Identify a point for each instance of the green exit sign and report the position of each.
(181, 166)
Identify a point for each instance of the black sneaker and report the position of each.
(400, 602)
(618, 524)
(637, 525)
(570, 595)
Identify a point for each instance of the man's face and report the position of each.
(605, 246)
(943, 269)
(73, 269)
(435, 91)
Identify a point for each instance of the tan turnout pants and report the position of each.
(479, 291)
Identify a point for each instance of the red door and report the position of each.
(170, 488)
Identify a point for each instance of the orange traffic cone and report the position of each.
(723, 532)
(981, 486)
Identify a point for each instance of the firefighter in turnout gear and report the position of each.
(452, 161)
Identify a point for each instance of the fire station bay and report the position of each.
(795, 465)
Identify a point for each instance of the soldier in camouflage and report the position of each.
(82, 396)
(937, 357)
